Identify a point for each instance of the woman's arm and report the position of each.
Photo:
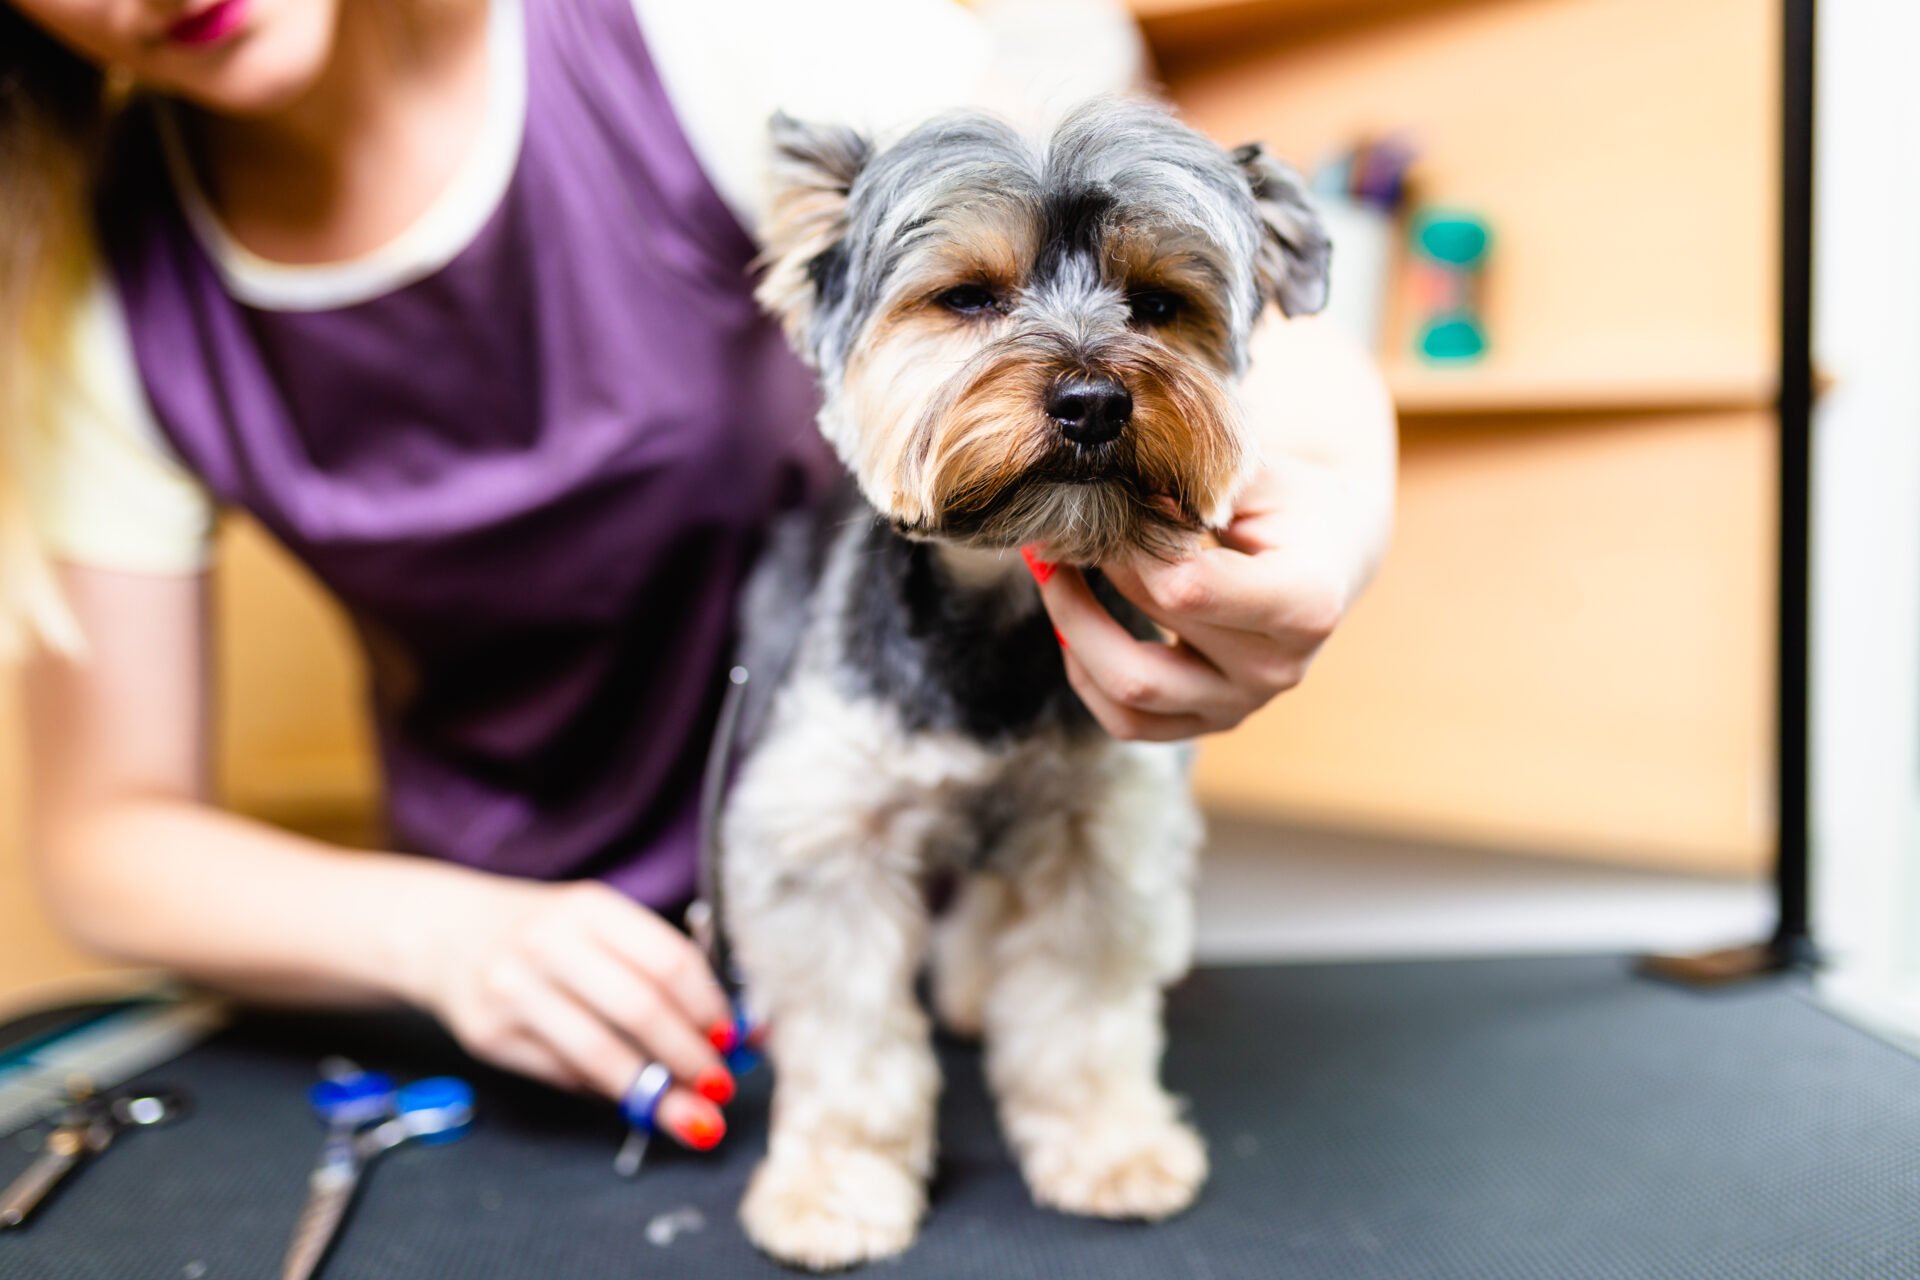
(1305, 540)
(569, 983)
(134, 862)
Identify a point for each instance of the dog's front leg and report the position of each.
(1099, 920)
(828, 917)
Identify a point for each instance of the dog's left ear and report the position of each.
(1294, 248)
(814, 166)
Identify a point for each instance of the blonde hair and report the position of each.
(52, 111)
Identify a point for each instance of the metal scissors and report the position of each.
(365, 1114)
(87, 1126)
(742, 1050)
(642, 1098)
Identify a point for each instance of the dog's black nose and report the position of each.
(1090, 408)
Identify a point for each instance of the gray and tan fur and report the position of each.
(1020, 342)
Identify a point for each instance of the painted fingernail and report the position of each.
(1040, 569)
(1057, 636)
(715, 1085)
(721, 1036)
(702, 1132)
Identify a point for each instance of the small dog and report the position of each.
(1020, 343)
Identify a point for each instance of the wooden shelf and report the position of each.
(1179, 29)
(1149, 11)
(1491, 387)
(1632, 266)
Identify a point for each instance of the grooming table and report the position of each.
(1525, 1119)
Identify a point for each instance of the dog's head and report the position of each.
(1028, 342)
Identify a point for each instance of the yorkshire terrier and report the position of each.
(1021, 343)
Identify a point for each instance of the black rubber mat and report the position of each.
(1530, 1119)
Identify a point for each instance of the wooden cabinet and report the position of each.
(294, 743)
(1569, 650)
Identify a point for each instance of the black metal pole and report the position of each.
(1791, 942)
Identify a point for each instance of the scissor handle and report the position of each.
(744, 1054)
(353, 1100)
(436, 1109)
(642, 1098)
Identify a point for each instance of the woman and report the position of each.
(453, 297)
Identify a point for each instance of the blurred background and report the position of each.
(1549, 725)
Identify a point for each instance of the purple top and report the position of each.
(535, 478)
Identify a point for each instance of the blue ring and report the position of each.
(643, 1096)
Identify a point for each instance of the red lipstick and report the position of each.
(209, 25)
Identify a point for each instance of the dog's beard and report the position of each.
(972, 457)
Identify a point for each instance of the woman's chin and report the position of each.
(265, 68)
(249, 95)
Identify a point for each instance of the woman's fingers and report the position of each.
(526, 1055)
(605, 1061)
(601, 1059)
(639, 1010)
(1129, 723)
(1142, 677)
(1290, 600)
(690, 1119)
(665, 955)
(1259, 664)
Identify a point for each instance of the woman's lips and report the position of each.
(210, 25)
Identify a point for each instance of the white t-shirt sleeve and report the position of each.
(880, 66)
(107, 491)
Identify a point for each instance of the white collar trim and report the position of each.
(434, 239)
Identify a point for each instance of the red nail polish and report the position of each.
(1040, 569)
(715, 1085)
(703, 1133)
(1057, 636)
(721, 1036)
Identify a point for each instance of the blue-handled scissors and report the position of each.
(365, 1114)
(641, 1102)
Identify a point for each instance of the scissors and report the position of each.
(365, 1115)
(641, 1101)
(86, 1127)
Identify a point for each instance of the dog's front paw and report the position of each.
(832, 1207)
(1104, 1168)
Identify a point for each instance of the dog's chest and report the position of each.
(952, 656)
(1014, 812)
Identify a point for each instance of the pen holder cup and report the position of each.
(1362, 268)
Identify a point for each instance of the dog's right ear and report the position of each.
(814, 166)
(1294, 247)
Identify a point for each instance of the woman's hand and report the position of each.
(577, 985)
(1248, 614)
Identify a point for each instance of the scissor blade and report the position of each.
(328, 1193)
(626, 1162)
(31, 1187)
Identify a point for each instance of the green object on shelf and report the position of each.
(1449, 254)
(1453, 337)
(1457, 239)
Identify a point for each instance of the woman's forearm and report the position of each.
(138, 866)
(244, 906)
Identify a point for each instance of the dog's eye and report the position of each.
(1156, 307)
(969, 299)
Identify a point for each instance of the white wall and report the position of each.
(1866, 567)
